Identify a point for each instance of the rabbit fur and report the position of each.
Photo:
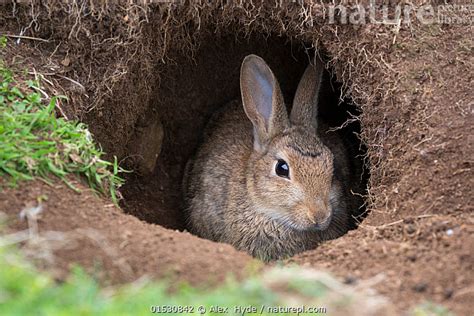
(232, 191)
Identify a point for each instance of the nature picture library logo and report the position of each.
(342, 12)
(406, 13)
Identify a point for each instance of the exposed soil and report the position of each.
(113, 246)
(422, 242)
(412, 86)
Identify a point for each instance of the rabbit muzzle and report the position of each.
(319, 214)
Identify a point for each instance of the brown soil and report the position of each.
(113, 246)
(413, 87)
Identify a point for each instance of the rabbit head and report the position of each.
(290, 171)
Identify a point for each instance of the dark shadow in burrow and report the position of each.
(190, 90)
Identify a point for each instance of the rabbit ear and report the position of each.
(262, 100)
(305, 103)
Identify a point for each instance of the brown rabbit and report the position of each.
(266, 183)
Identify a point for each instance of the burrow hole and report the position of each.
(191, 89)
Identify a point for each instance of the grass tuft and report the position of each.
(35, 143)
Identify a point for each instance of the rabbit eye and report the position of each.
(282, 169)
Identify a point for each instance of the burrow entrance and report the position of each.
(188, 91)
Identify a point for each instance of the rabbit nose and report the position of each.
(319, 212)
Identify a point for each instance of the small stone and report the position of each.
(350, 279)
(410, 229)
(420, 287)
(412, 257)
(448, 293)
(146, 145)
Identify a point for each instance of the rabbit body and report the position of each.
(267, 184)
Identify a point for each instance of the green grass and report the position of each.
(430, 309)
(24, 291)
(36, 143)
